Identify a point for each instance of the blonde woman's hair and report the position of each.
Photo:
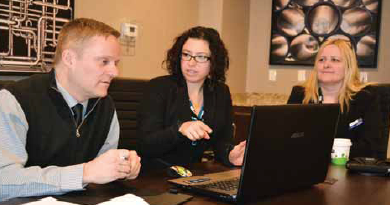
(75, 33)
(351, 83)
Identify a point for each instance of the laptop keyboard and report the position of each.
(226, 185)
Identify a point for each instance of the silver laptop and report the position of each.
(288, 149)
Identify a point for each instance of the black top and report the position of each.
(164, 107)
(362, 123)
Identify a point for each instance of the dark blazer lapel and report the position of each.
(209, 107)
(184, 112)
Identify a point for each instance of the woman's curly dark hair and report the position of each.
(219, 58)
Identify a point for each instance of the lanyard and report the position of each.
(200, 114)
(195, 117)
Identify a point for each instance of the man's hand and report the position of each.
(135, 165)
(112, 165)
(236, 155)
(195, 130)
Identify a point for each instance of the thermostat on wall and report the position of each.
(129, 30)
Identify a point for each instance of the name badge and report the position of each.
(355, 123)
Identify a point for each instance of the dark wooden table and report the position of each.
(349, 189)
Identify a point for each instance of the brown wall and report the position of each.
(231, 19)
(159, 21)
(235, 33)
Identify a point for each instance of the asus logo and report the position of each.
(298, 135)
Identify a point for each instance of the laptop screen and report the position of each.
(288, 148)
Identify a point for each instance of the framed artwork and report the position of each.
(299, 27)
(28, 34)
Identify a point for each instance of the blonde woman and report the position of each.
(335, 79)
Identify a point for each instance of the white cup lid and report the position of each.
(342, 142)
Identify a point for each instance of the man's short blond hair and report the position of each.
(75, 33)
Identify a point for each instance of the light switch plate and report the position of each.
(364, 77)
(301, 75)
(272, 75)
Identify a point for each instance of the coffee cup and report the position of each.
(340, 151)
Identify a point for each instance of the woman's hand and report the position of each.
(236, 155)
(195, 130)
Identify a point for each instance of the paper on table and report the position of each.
(49, 201)
(125, 200)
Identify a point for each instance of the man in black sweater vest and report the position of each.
(59, 131)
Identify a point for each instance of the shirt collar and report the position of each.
(70, 100)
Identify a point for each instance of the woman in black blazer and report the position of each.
(190, 110)
(335, 79)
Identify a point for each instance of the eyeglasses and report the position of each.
(199, 59)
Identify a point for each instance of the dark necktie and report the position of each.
(78, 113)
